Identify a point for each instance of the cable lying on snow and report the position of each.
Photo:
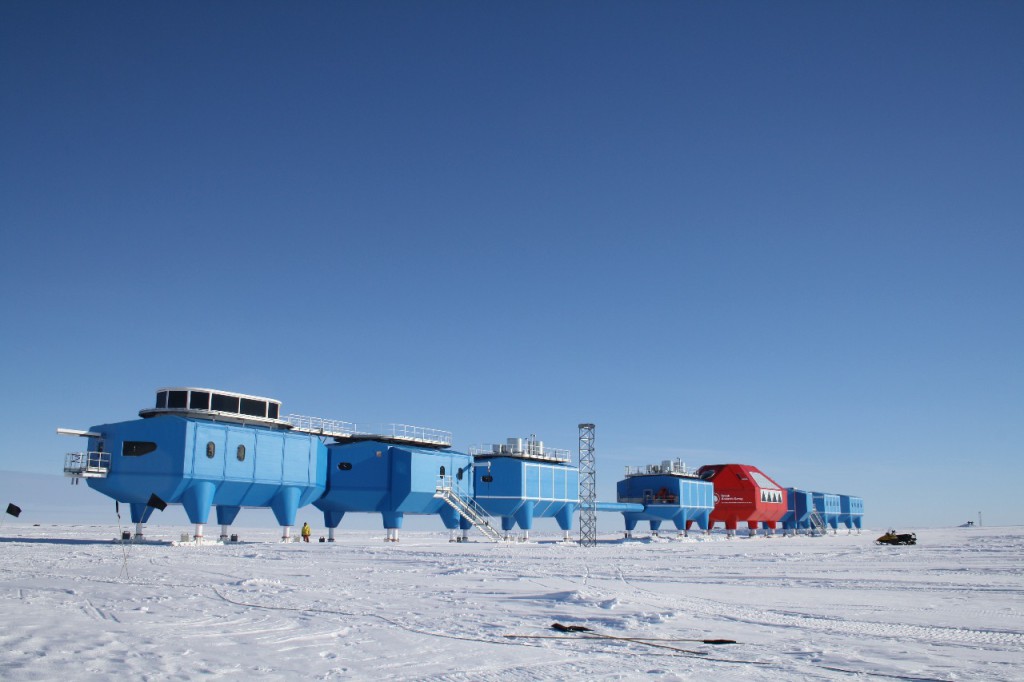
(586, 633)
(583, 632)
(581, 628)
(571, 632)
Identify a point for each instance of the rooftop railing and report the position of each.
(530, 450)
(328, 427)
(668, 466)
(417, 434)
(343, 429)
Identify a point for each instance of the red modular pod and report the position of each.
(743, 494)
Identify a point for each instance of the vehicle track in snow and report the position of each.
(773, 617)
(605, 588)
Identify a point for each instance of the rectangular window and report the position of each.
(200, 400)
(161, 399)
(254, 408)
(137, 448)
(272, 411)
(224, 403)
(177, 400)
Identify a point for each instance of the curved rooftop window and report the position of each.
(216, 404)
(762, 481)
(224, 403)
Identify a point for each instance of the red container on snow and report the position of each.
(743, 494)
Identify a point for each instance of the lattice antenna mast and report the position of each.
(588, 487)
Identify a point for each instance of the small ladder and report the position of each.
(466, 506)
(817, 523)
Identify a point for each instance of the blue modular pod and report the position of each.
(519, 489)
(373, 476)
(851, 511)
(681, 499)
(828, 506)
(201, 463)
(798, 512)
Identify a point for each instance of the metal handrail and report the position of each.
(318, 424)
(501, 449)
(335, 427)
(409, 432)
(87, 464)
(449, 490)
(817, 522)
(675, 466)
(454, 484)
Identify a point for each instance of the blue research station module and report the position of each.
(666, 492)
(200, 447)
(523, 479)
(204, 448)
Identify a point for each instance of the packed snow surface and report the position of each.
(77, 605)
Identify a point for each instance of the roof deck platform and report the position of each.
(668, 467)
(522, 448)
(215, 405)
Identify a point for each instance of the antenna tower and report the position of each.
(588, 487)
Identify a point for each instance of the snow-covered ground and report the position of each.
(75, 605)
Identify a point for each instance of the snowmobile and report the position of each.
(894, 538)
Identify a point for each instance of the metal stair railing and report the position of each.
(467, 506)
(817, 523)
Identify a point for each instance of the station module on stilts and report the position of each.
(744, 494)
(828, 508)
(799, 506)
(395, 477)
(522, 479)
(204, 448)
(663, 492)
(814, 513)
(851, 512)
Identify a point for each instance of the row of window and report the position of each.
(487, 478)
(138, 448)
(211, 450)
(218, 402)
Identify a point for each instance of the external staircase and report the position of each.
(817, 523)
(461, 502)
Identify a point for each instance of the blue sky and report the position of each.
(785, 234)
